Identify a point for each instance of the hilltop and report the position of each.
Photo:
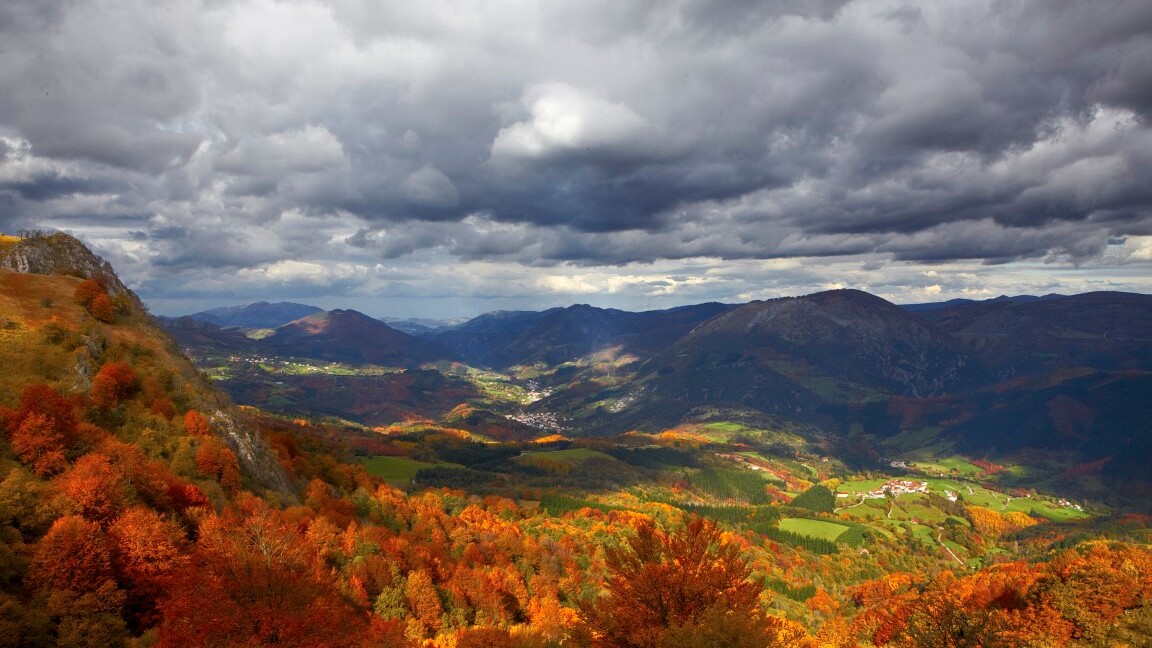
(256, 315)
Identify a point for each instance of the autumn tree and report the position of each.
(93, 295)
(114, 383)
(217, 461)
(146, 550)
(42, 429)
(72, 569)
(254, 581)
(98, 488)
(666, 588)
(196, 424)
(423, 601)
(38, 443)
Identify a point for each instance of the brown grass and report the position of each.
(42, 330)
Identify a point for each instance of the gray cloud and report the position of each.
(193, 136)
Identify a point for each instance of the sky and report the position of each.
(442, 158)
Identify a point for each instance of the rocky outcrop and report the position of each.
(256, 458)
(61, 254)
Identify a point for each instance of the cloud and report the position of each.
(428, 186)
(567, 122)
(598, 137)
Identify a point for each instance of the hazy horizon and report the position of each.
(328, 304)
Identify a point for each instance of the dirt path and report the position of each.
(862, 498)
(939, 538)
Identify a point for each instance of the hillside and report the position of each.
(1104, 331)
(66, 343)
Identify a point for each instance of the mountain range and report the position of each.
(1065, 378)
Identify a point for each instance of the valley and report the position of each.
(842, 471)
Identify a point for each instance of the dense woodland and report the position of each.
(132, 512)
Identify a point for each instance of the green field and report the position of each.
(909, 439)
(972, 493)
(395, 469)
(813, 528)
(571, 455)
(941, 465)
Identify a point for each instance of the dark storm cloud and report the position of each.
(243, 134)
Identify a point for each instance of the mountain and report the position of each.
(1102, 331)
(350, 336)
(951, 303)
(57, 254)
(845, 335)
(791, 357)
(255, 315)
(507, 338)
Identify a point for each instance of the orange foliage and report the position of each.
(42, 429)
(113, 384)
(992, 523)
(423, 601)
(682, 582)
(254, 582)
(102, 309)
(1078, 595)
(88, 290)
(146, 551)
(73, 555)
(98, 488)
(93, 295)
(217, 461)
(39, 445)
(196, 424)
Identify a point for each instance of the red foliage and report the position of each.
(162, 406)
(88, 290)
(217, 461)
(73, 555)
(113, 384)
(98, 488)
(39, 445)
(93, 295)
(684, 581)
(102, 309)
(186, 496)
(146, 551)
(254, 582)
(42, 429)
(196, 424)
(988, 467)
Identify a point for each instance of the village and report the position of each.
(894, 487)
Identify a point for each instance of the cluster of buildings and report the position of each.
(897, 487)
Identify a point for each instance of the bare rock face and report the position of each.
(61, 254)
(252, 450)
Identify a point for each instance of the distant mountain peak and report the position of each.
(256, 315)
(349, 335)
